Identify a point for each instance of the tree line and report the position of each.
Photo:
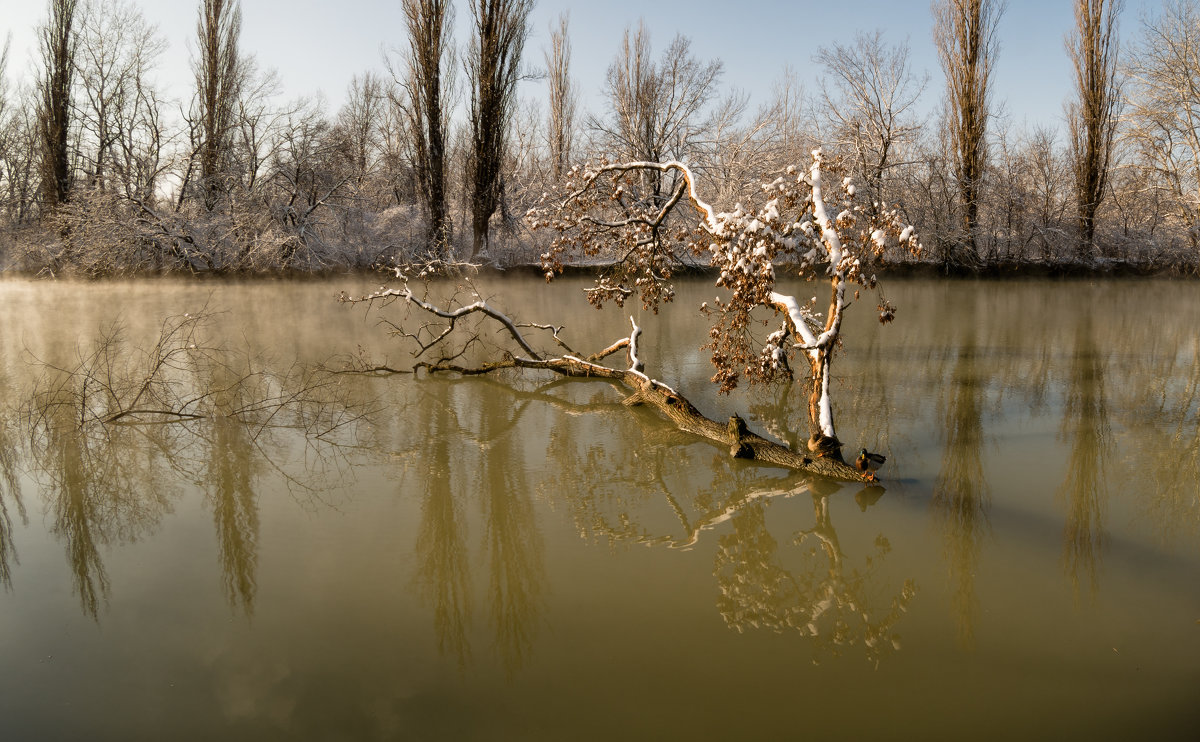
(102, 172)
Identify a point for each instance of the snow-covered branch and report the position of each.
(446, 335)
(810, 223)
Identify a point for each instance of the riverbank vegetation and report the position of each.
(441, 151)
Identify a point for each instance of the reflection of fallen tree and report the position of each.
(437, 335)
(825, 599)
(652, 492)
(112, 437)
(694, 527)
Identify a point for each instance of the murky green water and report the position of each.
(535, 561)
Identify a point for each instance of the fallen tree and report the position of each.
(610, 212)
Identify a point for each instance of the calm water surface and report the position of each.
(528, 559)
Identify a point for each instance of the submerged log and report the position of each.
(734, 435)
(826, 461)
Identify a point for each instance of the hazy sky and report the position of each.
(317, 45)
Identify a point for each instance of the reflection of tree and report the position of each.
(756, 591)
(10, 490)
(514, 549)
(775, 415)
(100, 491)
(618, 485)
(107, 434)
(960, 497)
(822, 599)
(443, 573)
(870, 396)
(516, 571)
(77, 511)
(1165, 411)
(235, 509)
(1085, 422)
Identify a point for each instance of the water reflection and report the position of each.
(10, 490)
(493, 468)
(115, 436)
(516, 554)
(478, 448)
(1084, 486)
(658, 488)
(1164, 412)
(102, 488)
(443, 571)
(821, 598)
(960, 493)
(662, 490)
(229, 488)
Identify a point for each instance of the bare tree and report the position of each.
(869, 104)
(563, 97)
(790, 126)
(493, 69)
(656, 109)
(142, 153)
(430, 33)
(1164, 75)
(58, 41)
(631, 93)
(965, 34)
(218, 73)
(398, 174)
(1048, 203)
(117, 49)
(301, 168)
(358, 124)
(1093, 117)
(254, 127)
(20, 160)
(7, 130)
(657, 112)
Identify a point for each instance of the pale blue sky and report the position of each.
(317, 45)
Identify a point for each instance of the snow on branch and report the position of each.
(646, 220)
(635, 363)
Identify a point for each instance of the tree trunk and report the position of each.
(733, 435)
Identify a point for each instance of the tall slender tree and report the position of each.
(1092, 118)
(430, 27)
(561, 120)
(493, 69)
(218, 71)
(6, 137)
(58, 45)
(965, 34)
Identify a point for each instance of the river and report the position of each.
(526, 558)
